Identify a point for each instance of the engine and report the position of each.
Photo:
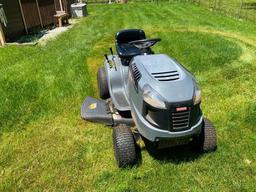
(164, 92)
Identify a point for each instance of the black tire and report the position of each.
(208, 137)
(124, 146)
(102, 84)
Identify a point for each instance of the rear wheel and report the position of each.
(102, 84)
(124, 146)
(208, 139)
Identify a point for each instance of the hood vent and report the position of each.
(136, 72)
(167, 76)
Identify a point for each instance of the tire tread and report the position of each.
(124, 146)
(208, 137)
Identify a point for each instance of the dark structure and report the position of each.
(23, 15)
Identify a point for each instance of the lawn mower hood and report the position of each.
(164, 79)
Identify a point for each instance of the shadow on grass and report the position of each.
(176, 155)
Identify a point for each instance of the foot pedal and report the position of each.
(96, 110)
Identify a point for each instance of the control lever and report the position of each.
(113, 57)
(105, 55)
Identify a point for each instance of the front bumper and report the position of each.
(153, 134)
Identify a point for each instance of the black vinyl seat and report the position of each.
(125, 50)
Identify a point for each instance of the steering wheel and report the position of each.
(144, 43)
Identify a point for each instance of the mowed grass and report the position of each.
(45, 146)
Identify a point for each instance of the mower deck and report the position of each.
(99, 111)
(96, 110)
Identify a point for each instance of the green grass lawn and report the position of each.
(45, 146)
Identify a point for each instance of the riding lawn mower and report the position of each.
(148, 96)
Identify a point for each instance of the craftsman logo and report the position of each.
(93, 106)
(178, 109)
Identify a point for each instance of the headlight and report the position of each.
(197, 95)
(153, 98)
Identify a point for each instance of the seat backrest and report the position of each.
(129, 35)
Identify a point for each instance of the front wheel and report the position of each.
(124, 146)
(208, 137)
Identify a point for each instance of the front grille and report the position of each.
(180, 120)
(166, 76)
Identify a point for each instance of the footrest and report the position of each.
(96, 110)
